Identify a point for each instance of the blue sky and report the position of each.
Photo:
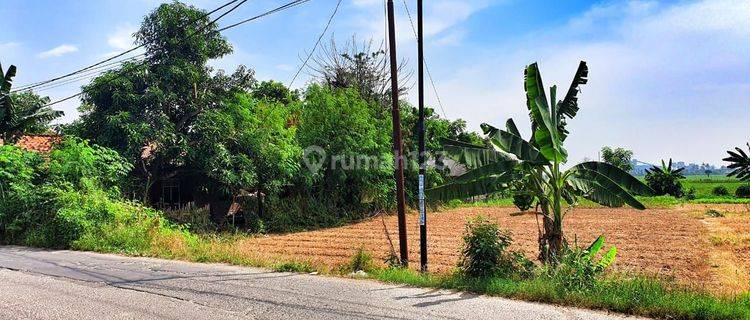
(667, 78)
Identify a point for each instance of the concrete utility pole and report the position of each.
(397, 144)
(422, 164)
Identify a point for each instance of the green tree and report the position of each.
(147, 110)
(538, 161)
(618, 157)
(247, 144)
(22, 113)
(356, 173)
(275, 92)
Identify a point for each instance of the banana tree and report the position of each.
(16, 120)
(538, 162)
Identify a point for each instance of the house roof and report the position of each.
(42, 143)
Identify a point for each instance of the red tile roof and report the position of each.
(42, 143)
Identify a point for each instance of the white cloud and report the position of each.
(10, 45)
(452, 38)
(666, 81)
(443, 15)
(284, 67)
(58, 51)
(122, 39)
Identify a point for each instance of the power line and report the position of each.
(87, 75)
(269, 12)
(335, 10)
(429, 75)
(34, 85)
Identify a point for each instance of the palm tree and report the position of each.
(16, 120)
(536, 164)
(740, 162)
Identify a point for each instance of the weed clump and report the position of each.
(720, 191)
(485, 252)
(361, 261)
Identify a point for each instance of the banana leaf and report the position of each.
(511, 127)
(519, 147)
(472, 156)
(545, 127)
(568, 107)
(602, 190)
(456, 190)
(491, 169)
(617, 175)
(740, 163)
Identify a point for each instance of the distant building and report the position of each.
(639, 168)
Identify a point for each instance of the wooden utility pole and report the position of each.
(397, 144)
(422, 164)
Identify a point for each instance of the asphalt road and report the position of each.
(41, 284)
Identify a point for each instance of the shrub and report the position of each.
(362, 260)
(743, 191)
(485, 252)
(578, 268)
(720, 191)
(690, 194)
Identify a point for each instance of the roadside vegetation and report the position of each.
(227, 139)
(579, 280)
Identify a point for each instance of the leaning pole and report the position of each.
(397, 144)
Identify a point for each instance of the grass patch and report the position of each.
(631, 295)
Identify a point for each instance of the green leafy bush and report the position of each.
(579, 268)
(71, 200)
(743, 191)
(485, 252)
(720, 191)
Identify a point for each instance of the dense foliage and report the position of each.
(618, 157)
(536, 164)
(665, 180)
(147, 110)
(22, 113)
(70, 200)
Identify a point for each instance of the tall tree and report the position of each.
(618, 157)
(147, 110)
(22, 113)
(247, 144)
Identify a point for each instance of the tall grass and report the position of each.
(635, 295)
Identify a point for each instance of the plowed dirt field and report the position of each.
(677, 243)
